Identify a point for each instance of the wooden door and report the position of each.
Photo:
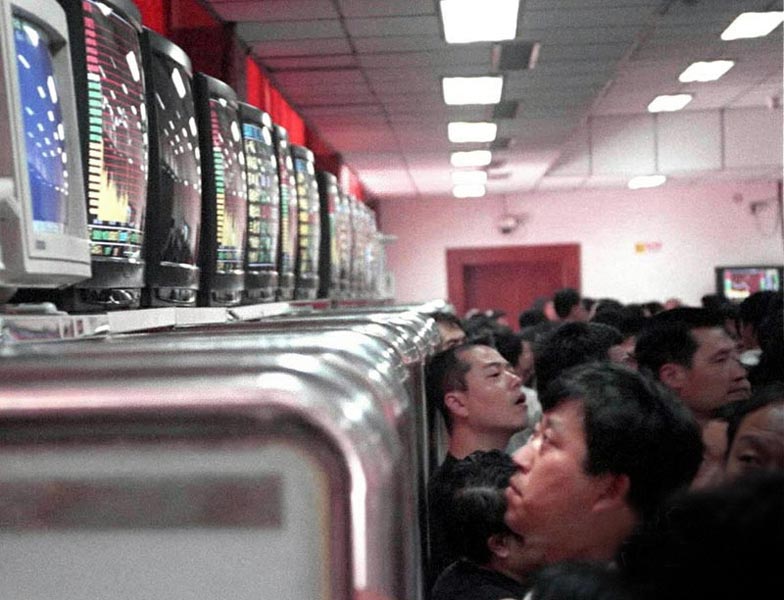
(509, 278)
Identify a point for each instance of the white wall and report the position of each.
(698, 227)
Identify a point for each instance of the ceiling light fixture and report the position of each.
(473, 90)
(461, 132)
(669, 103)
(705, 71)
(469, 177)
(646, 181)
(752, 25)
(469, 191)
(472, 158)
(468, 21)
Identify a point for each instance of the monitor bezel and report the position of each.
(48, 259)
(721, 269)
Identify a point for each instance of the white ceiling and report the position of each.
(366, 74)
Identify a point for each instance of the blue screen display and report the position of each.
(43, 127)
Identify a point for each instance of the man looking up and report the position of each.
(480, 399)
(611, 446)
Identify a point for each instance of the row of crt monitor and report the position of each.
(126, 180)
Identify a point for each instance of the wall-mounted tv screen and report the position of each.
(309, 224)
(329, 256)
(737, 283)
(287, 251)
(43, 232)
(173, 220)
(110, 85)
(261, 166)
(224, 195)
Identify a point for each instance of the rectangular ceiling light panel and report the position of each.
(473, 90)
(752, 25)
(468, 21)
(473, 158)
(480, 132)
(669, 103)
(468, 191)
(705, 71)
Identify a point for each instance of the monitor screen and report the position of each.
(230, 194)
(309, 219)
(44, 131)
(179, 164)
(329, 257)
(117, 149)
(738, 283)
(263, 197)
(288, 204)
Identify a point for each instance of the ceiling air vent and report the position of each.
(506, 109)
(515, 56)
(500, 143)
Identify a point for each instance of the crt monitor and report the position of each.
(43, 229)
(224, 196)
(287, 251)
(329, 257)
(261, 167)
(173, 220)
(110, 89)
(345, 245)
(735, 283)
(306, 266)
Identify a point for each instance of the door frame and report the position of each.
(457, 259)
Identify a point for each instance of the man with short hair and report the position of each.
(690, 352)
(449, 329)
(489, 552)
(611, 446)
(482, 404)
(569, 306)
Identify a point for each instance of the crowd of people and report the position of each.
(608, 450)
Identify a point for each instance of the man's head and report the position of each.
(568, 305)
(474, 388)
(751, 312)
(449, 328)
(572, 344)
(755, 433)
(612, 444)
(689, 351)
(475, 523)
(517, 348)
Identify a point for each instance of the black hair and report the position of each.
(723, 543)
(571, 344)
(445, 317)
(579, 580)
(510, 346)
(633, 426)
(754, 309)
(563, 301)
(531, 317)
(770, 394)
(771, 341)
(667, 337)
(477, 504)
(445, 372)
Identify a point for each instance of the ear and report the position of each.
(498, 543)
(673, 375)
(613, 491)
(455, 403)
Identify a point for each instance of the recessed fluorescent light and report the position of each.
(705, 71)
(669, 103)
(461, 131)
(752, 25)
(473, 158)
(468, 191)
(473, 90)
(469, 177)
(472, 21)
(646, 181)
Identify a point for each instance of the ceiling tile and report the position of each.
(274, 10)
(301, 48)
(388, 26)
(363, 8)
(290, 30)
